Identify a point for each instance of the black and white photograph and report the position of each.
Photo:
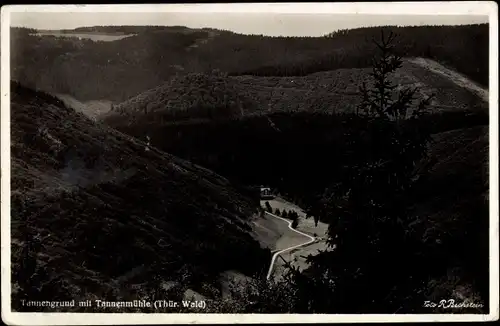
(275, 162)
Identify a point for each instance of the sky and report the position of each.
(272, 24)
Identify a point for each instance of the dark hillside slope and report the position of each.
(97, 216)
(121, 69)
(295, 147)
(451, 215)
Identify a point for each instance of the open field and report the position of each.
(274, 233)
(297, 257)
(289, 238)
(305, 225)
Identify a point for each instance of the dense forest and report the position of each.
(121, 69)
(193, 96)
(456, 46)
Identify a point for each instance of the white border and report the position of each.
(487, 8)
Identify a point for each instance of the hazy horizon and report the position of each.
(270, 24)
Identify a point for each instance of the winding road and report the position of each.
(273, 259)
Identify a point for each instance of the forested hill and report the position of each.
(131, 29)
(216, 95)
(96, 214)
(123, 68)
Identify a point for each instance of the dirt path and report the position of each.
(276, 254)
(454, 76)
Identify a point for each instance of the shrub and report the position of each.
(268, 207)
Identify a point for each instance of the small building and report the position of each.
(265, 192)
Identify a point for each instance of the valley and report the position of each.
(136, 152)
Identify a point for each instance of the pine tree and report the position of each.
(366, 207)
(378, 100)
